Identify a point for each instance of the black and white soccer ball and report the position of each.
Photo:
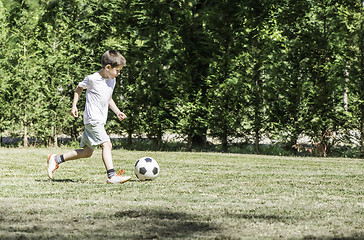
(146, 168)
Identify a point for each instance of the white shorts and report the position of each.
(94, 135)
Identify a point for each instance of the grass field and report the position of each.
(196, 196)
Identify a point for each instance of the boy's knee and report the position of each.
(107, 145)
(87, 152)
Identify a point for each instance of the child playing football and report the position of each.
(99, 88)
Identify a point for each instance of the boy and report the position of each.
(99, 88)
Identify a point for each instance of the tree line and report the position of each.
(230, 69)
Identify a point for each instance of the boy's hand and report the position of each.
(74, 111)
(76, 96)
(121, 116)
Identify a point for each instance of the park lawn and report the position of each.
(196, 196)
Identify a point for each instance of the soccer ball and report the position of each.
(146, 168)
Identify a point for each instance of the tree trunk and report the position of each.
(74, 130)
(258, 105)
(130, 138)
(345, 92)
(25, 137)
(159, 139)
(256, 140)
(362, 87)
(197, 140)
(55, 138)
(362, 132)
(224, 139)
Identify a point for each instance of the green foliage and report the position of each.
(241, 70)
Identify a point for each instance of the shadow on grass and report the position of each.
(264, 217)
(354, 237)
(271, 218)
(59, 180)
(165, 224)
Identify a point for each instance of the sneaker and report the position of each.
(118, 178)
(51, 165)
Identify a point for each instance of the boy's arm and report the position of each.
(76, 97)
(116, 110)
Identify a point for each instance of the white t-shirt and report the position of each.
(98, 94)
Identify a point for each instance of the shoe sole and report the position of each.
(50, 175)
(119, 182)
(126, 180)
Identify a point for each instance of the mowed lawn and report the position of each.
(196, 196)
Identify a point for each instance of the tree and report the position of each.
(193, 49)
(310, 79)
(24, 90)
(58, 47)
(157, 93)
(258, 28)
(4, 118)
(226, 91)
(361, 79)
(327, 71)
(355, 24)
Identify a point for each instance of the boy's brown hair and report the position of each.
(113, 58)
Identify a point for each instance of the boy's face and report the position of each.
(113, 72)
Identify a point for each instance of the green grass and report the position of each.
(196, 196)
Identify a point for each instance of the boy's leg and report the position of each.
(85, 152)
(53, 160)
(113, 177)
(106, 155)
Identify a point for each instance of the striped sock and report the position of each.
(111, 173)
(59, 159)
